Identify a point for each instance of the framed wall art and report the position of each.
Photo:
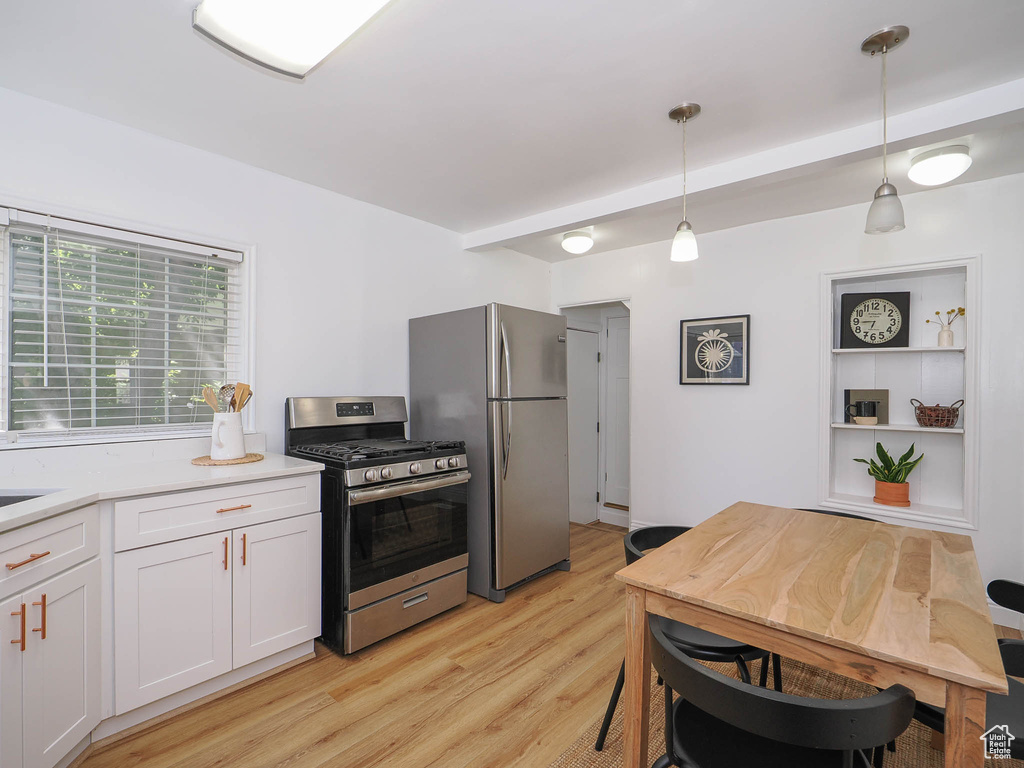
(715, 350)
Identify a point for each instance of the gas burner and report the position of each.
(357, 450)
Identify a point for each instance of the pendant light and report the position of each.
(684, 244)
(886, 211)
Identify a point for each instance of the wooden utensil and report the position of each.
(211, 398)
(242, 395)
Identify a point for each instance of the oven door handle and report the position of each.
(404, 489)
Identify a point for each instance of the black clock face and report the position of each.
(875, 320)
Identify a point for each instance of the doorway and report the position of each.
(598, 382)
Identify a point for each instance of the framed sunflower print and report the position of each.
(715, 350)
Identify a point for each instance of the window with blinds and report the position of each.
(110, 333)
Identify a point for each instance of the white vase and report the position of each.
(945, 338)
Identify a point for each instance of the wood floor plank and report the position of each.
(486, 684)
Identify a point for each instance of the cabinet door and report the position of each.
(276, 586)
(172, 618)
(11, 661)
(62, 665)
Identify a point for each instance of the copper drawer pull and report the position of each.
(233, 509)
(42, 628)
(225, 553)
(20, 642)
(29, 559)
(243, 549)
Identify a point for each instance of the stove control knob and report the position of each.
(453, 462)
(370, 475)
(386, 473)
(440, 463)
(415, 468)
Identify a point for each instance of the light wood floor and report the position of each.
(485, 684)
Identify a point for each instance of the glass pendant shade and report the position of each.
(886, 212)
(684, 244)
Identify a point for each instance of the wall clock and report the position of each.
(875, 319)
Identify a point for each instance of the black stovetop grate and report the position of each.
(350, 450)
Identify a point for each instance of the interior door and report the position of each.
(527, 351)
(583, 415)
(172, 618)
(616, 489)
(276, 587)
(62, 669)
(531, 487)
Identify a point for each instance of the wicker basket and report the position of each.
(937, 415)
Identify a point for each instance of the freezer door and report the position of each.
(526, 353)
(530, 481)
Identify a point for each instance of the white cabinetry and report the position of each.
(50, 668)
(172, 618)
(942, 488)
(276, 592)
(187, 611)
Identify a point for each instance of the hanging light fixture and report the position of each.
(886, 211)
(578, 241)
(684, 244)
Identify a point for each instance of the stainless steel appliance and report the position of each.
(496, 377)
(394, 516)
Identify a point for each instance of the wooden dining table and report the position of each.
(879, 603)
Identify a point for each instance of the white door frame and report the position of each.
(606, 514)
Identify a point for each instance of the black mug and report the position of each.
(862, 408)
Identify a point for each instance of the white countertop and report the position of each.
(72, 490)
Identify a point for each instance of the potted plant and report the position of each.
(891, 486)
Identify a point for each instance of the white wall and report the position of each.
(695, 450)
(336, 279)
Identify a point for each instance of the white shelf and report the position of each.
(894, 350)
(898, 428)
(950, 516)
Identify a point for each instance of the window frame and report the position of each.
(10, 210)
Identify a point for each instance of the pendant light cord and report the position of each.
(885, 121)
(684, 169)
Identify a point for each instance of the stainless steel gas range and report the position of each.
(394, 516)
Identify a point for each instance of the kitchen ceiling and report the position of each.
(469, 114)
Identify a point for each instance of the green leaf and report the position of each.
(884, 457)
(907, 455)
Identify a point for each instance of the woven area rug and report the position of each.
(913, 748)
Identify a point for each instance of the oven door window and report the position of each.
(395, 536)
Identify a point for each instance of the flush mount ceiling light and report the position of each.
(290, 38)
(577, 242)
(938, 166)
(684, 244)
(886, 211)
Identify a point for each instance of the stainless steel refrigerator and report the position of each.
(495, 376)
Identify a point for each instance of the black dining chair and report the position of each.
(999, 710)
(718, 722)
(696, 642)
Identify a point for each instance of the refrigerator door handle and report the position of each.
(508, 363)
(508, 448)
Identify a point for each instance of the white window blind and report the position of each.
(109, 333)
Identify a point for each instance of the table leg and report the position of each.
(965, 723)
(636, 724)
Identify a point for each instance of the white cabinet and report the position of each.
(943, 487)
(190, 610)
(276, 591)
(50, 668)
(172, 618)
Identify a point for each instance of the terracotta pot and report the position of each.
(892, 494)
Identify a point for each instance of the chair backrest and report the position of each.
(834, 513)
(1009, 594)
(651, 537)
(1012, 652)
(845, 724)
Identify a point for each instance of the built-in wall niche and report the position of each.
(942, 487)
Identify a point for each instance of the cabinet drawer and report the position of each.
(41, 550)
(375, 622)
(155, 519)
